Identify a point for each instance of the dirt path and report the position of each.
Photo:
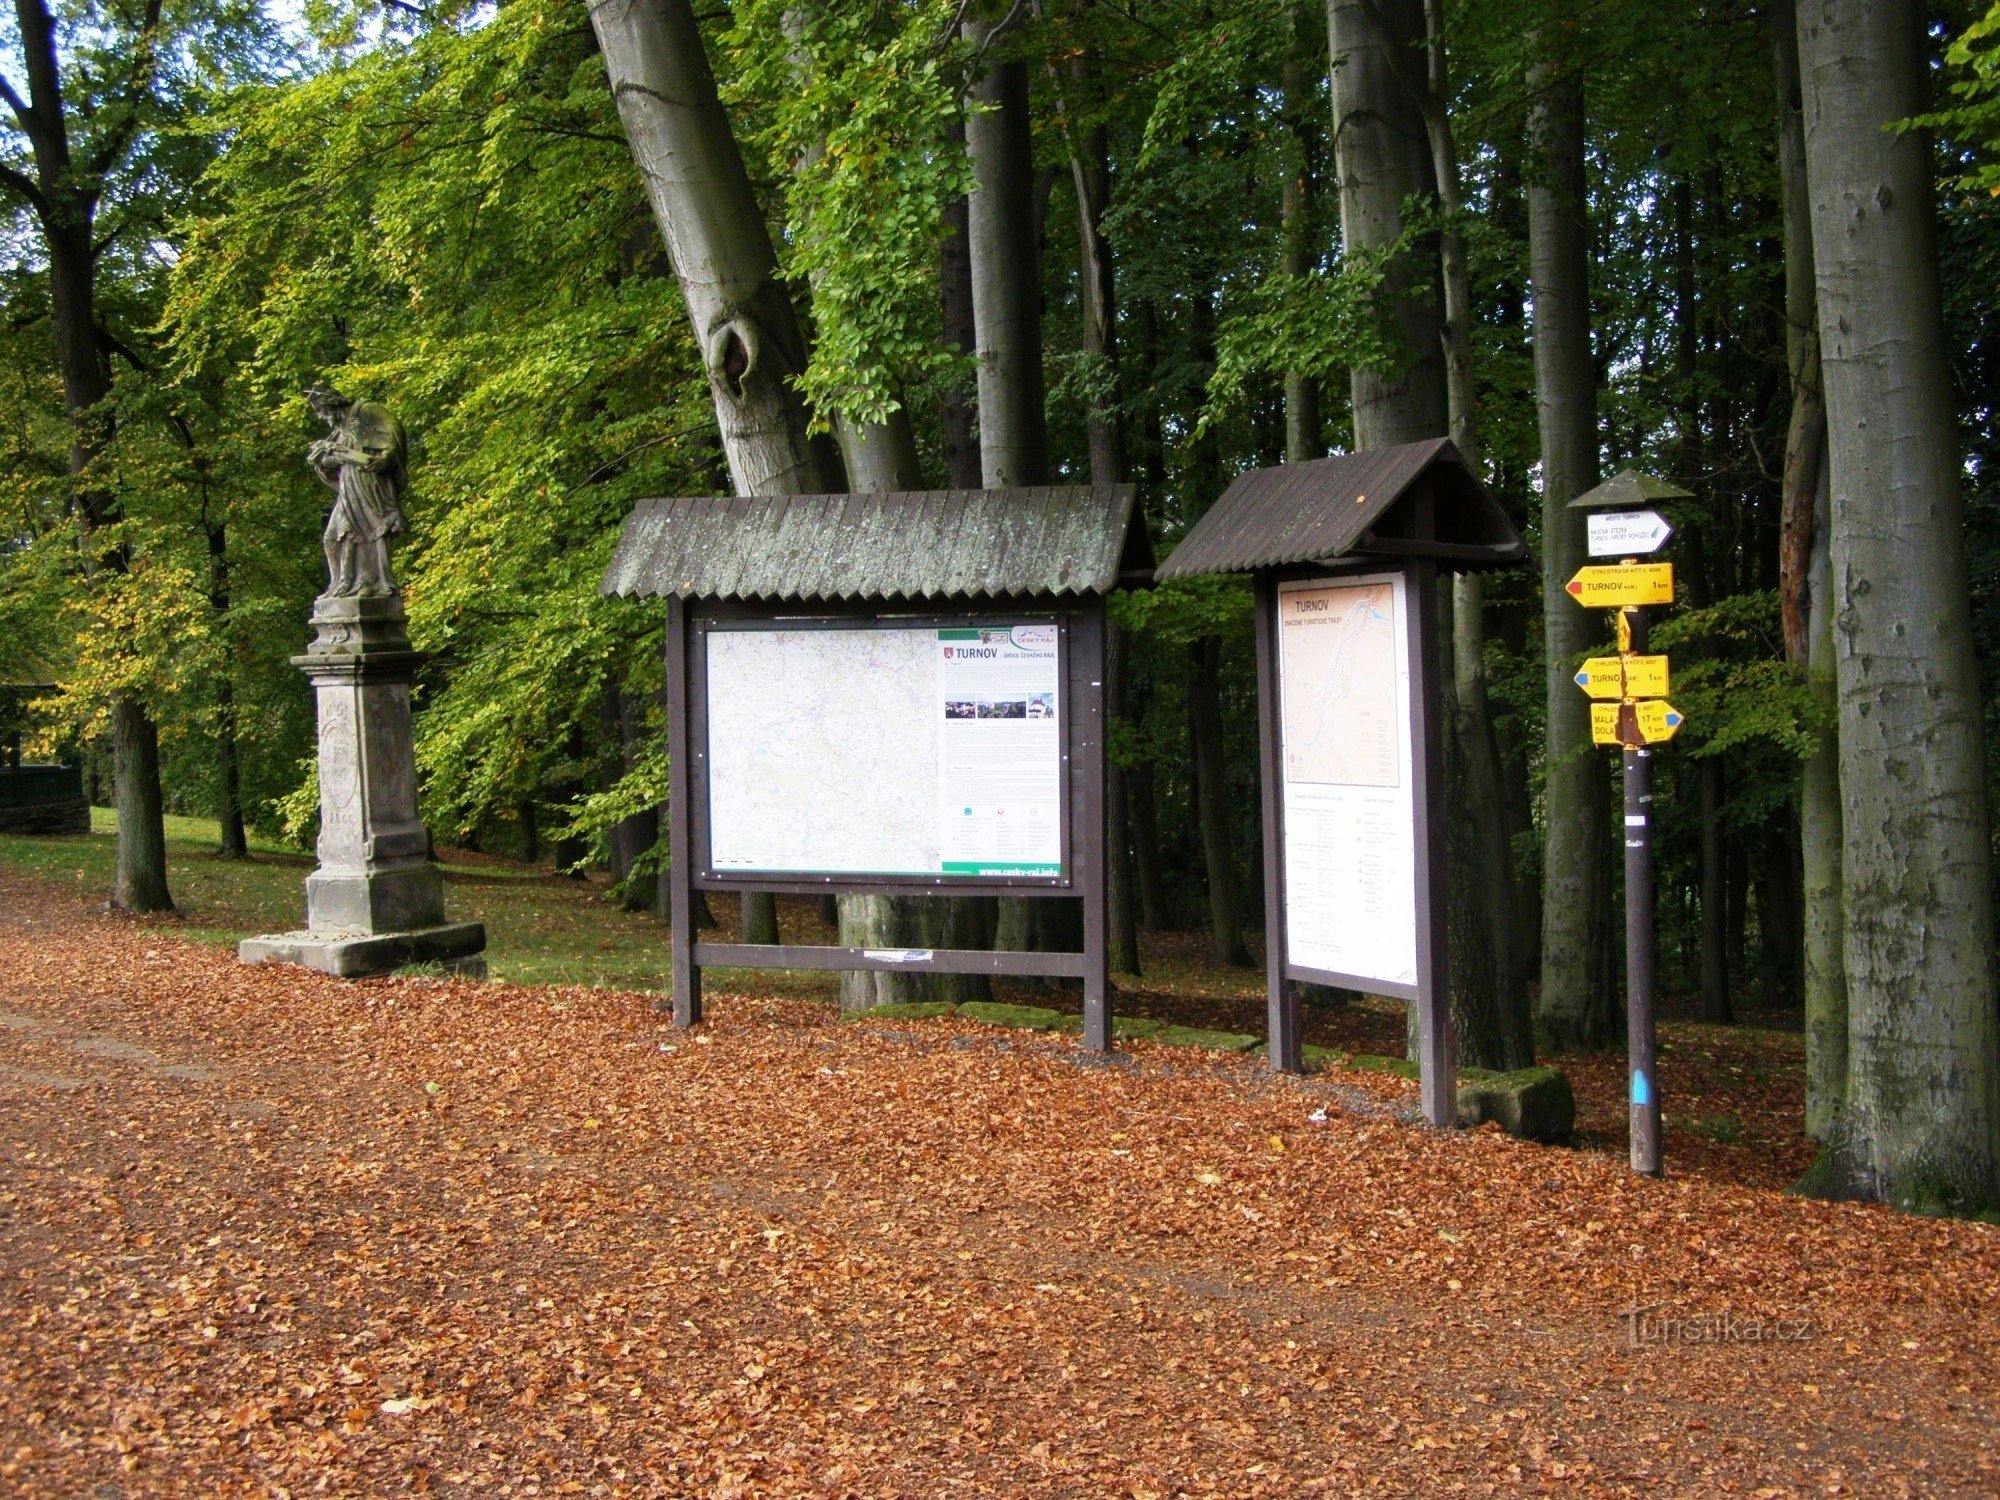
(263, 1233)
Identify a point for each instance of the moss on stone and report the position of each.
(1195, 1036)
(1535, 1104)
(1369, 1062)
(1020, 1017)
(1123, 1028)
(909, 1010)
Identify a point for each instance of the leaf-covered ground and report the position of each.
(265, 1233)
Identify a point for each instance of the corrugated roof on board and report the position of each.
(1328, 507)
(920, 544)
(1630, 487)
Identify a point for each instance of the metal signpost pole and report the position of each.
(1641, 931)
(1636, 718)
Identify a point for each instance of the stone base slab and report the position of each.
(457, 946)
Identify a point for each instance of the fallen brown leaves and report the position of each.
(265, 1233)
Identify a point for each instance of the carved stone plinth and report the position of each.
(376, 902)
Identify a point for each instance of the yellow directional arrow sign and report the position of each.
(1653, 722)
(1613, 587)
(1624, 677)
(1658, 720)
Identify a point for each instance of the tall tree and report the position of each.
(743, 317)
(79, 124)
(1575, 1008)
(1392, 145)
(1921, 1127)
(1003, 241)
(1104, 434)
(1495, 1025)
(1806, 597)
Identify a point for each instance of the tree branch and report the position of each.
(145, 69)
(14, 101)
(21, 183)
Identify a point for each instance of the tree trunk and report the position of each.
(1382, 158)
(641, 831)
(1104, 428)
(1145, 812)
(1497, 1029)
(142, 852)
(1006, 274)
(233, 843)
(1305, 437)
(64, 197)
(1778, 917)
(743, 318)
(1393, 141)
(1576, 1009)
(1921, 1127)
(1714, 895)
(1225, 912)
(1006, 312)
(958, 425)
(1806, 590)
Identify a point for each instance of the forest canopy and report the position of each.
(982, 244)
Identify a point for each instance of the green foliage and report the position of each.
(856, 109)
(1972, 121)
(452, 226)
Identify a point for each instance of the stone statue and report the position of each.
(376, 901)
(364, 460)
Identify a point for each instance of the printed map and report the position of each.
(1339, 682)
(801, 719)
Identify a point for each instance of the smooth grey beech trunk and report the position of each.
(1921, 1127)
(1806, 586)
(1305, 435)
(1006, 272)
(1393, 142)
(1104, 429)
(1575, 1009)
(1381, 158)
(743, 317)
(1004, 247)
(1496, 1026)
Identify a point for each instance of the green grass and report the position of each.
(540, 928)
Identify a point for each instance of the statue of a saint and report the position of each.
(364, 461)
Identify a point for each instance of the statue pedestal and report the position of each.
(376, 902)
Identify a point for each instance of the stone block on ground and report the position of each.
(1195, 1036)
(1020, 1017)
(1536, 1104)
(456, 946)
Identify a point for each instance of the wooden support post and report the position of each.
(1087, 640)
(1281, 996)
(685, 977)
(1437, 1043)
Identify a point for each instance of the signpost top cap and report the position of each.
(1629, 487)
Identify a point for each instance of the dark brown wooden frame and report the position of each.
(1081, 624)
(1436, 1039)
(817, 882)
